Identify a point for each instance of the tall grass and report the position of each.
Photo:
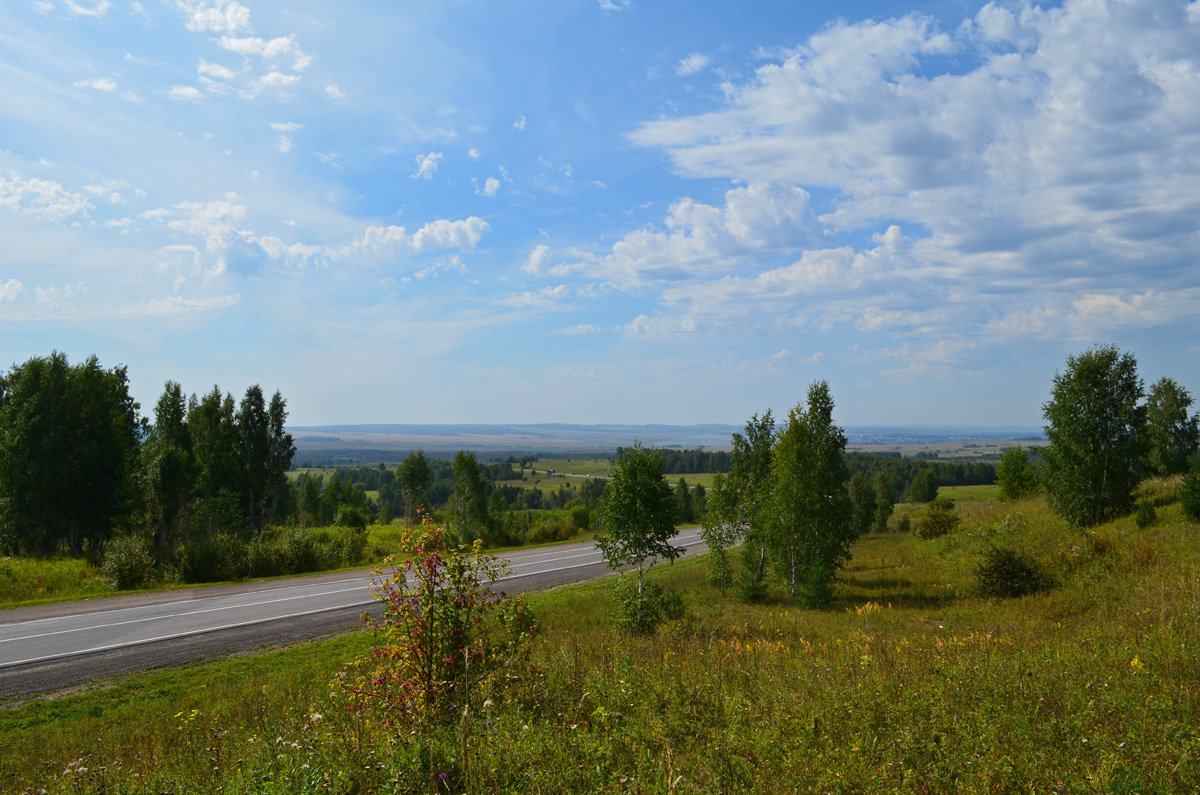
(910, 682)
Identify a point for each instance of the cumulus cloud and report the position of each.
(439, 234)
(283, 145)
(692, 64)
(490, 187)
(10, 289)
(219, 16)
(334, 92)
(97, 9)
(519, 124)
(98, 83)
(185, 94)
(427, 165)
(1057, 154)
(41, 198)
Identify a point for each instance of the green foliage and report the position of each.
(1096, 430)
(128, 563)
(720, 572)
(1172, 435)
(414, 477)
(640, 613)
(68, 441)
(885, 501)
(638, 512)
(1016, 474)
(735, 509)
(1008, 573)
(1190, 496)
(445, 637)
(862, 503)
(468, 506)
(939, 519)
(924, 486)
(1145, 514)
(810, 530)
(904, 524)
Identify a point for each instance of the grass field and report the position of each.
(909, 682)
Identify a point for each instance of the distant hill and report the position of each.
(370, 444)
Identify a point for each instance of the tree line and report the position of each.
(78, 462)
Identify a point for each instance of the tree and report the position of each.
(468, 501)
(924, 486)
(255, 456)
(862, 502)
(68, 445)
(1096, 430)
(1172, 435)
(1016, 474)
(1190, 496)
(414, 479)
(809, 512)
(281, 450)
(735, 504)
(638, 514)
(167, 469)
(885, 500)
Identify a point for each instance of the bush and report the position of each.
(904, 524)
(1146, 515)
(128, 563)
(211, 559)
(1191, 492)
(939, 519)
(1006, 573)
(641, 616)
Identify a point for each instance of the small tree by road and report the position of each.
(638, 518)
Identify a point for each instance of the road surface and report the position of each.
(56, 646)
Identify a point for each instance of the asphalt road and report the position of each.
(53, 647)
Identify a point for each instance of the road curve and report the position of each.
(56, 646)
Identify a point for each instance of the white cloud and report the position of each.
(283, 145)
(536, 262)
(218, 16)
(473, 154)
(692, 64)
(333, 91)
(98, 83)
(582, 328)
(264, 48)
(277, 80)
(614, 5)
(177, 305)
(453, 264)
(185, 94)
(490, 187)
(439, 234)
(519, 124)
(215, 70)
(40, 198)
(58, 294)
(701, 239)
(545, 298)
(427, 165)
(10, 289)
(289, 126)
(661, 327)
(97, 9)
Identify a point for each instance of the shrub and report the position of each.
(904, 524)
(1006, 573)
(211, 559)
(1146, 515)
(641, 615)
(128, 563)
(445, 634)
(1191, 492)
(939, 519)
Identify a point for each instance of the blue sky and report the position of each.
(602, 211)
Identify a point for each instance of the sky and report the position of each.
(602, 211)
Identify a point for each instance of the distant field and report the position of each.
(989, 450)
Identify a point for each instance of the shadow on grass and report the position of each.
(898, 591)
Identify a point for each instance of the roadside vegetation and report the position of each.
(849, 630)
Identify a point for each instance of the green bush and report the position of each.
(904, 524)
(1006, 573)
(128, 563)
(1191, 492)
(1146, 515)
(211, 559)
(939, 519)
(641, 616)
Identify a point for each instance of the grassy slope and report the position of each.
(909, 682)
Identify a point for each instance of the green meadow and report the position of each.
(911, 681)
